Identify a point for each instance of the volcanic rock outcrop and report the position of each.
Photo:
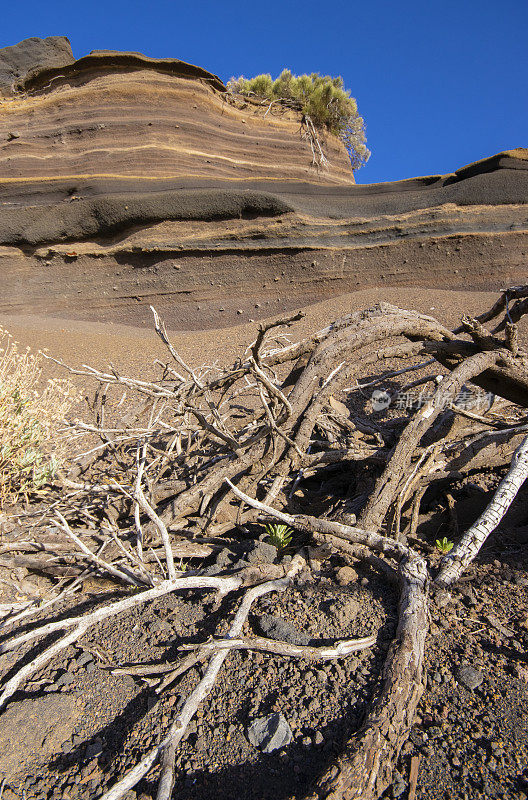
(20, 61)
(127, 181)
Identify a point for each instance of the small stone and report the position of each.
(469, 677)
(65, 679)
(346, 575)
(270, 733)
(347, 612)
(318, 739)
(225, 558)
(261, 553)
(280, 630)
(84, 658)
(442, 598)
(399, 786)
(94, 749)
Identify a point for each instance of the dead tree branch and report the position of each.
(469, 546)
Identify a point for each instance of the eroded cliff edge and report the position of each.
(126, 181)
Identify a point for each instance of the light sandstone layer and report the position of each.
(127, 181)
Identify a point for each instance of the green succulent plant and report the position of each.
(279, 535)
(444, 545)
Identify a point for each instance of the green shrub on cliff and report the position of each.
(322, 99)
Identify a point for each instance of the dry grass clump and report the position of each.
(33, 440)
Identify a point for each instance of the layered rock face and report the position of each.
(127, 181)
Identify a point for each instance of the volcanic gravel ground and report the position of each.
(120, 719)
(471, 732)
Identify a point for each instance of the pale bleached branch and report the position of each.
(469, 546)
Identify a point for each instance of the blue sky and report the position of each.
(439, 84)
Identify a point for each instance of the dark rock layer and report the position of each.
(126, 181)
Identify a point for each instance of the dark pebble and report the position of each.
(469, 677)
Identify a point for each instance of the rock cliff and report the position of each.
(127, 181)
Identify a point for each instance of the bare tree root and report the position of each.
(349, 533)
(364, 770)
(289, 433)
(341, 648)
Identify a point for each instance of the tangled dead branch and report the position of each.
(322, 435)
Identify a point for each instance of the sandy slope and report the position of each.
(133, 349)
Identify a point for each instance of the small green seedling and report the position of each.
(279, 535)
(444, 545)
